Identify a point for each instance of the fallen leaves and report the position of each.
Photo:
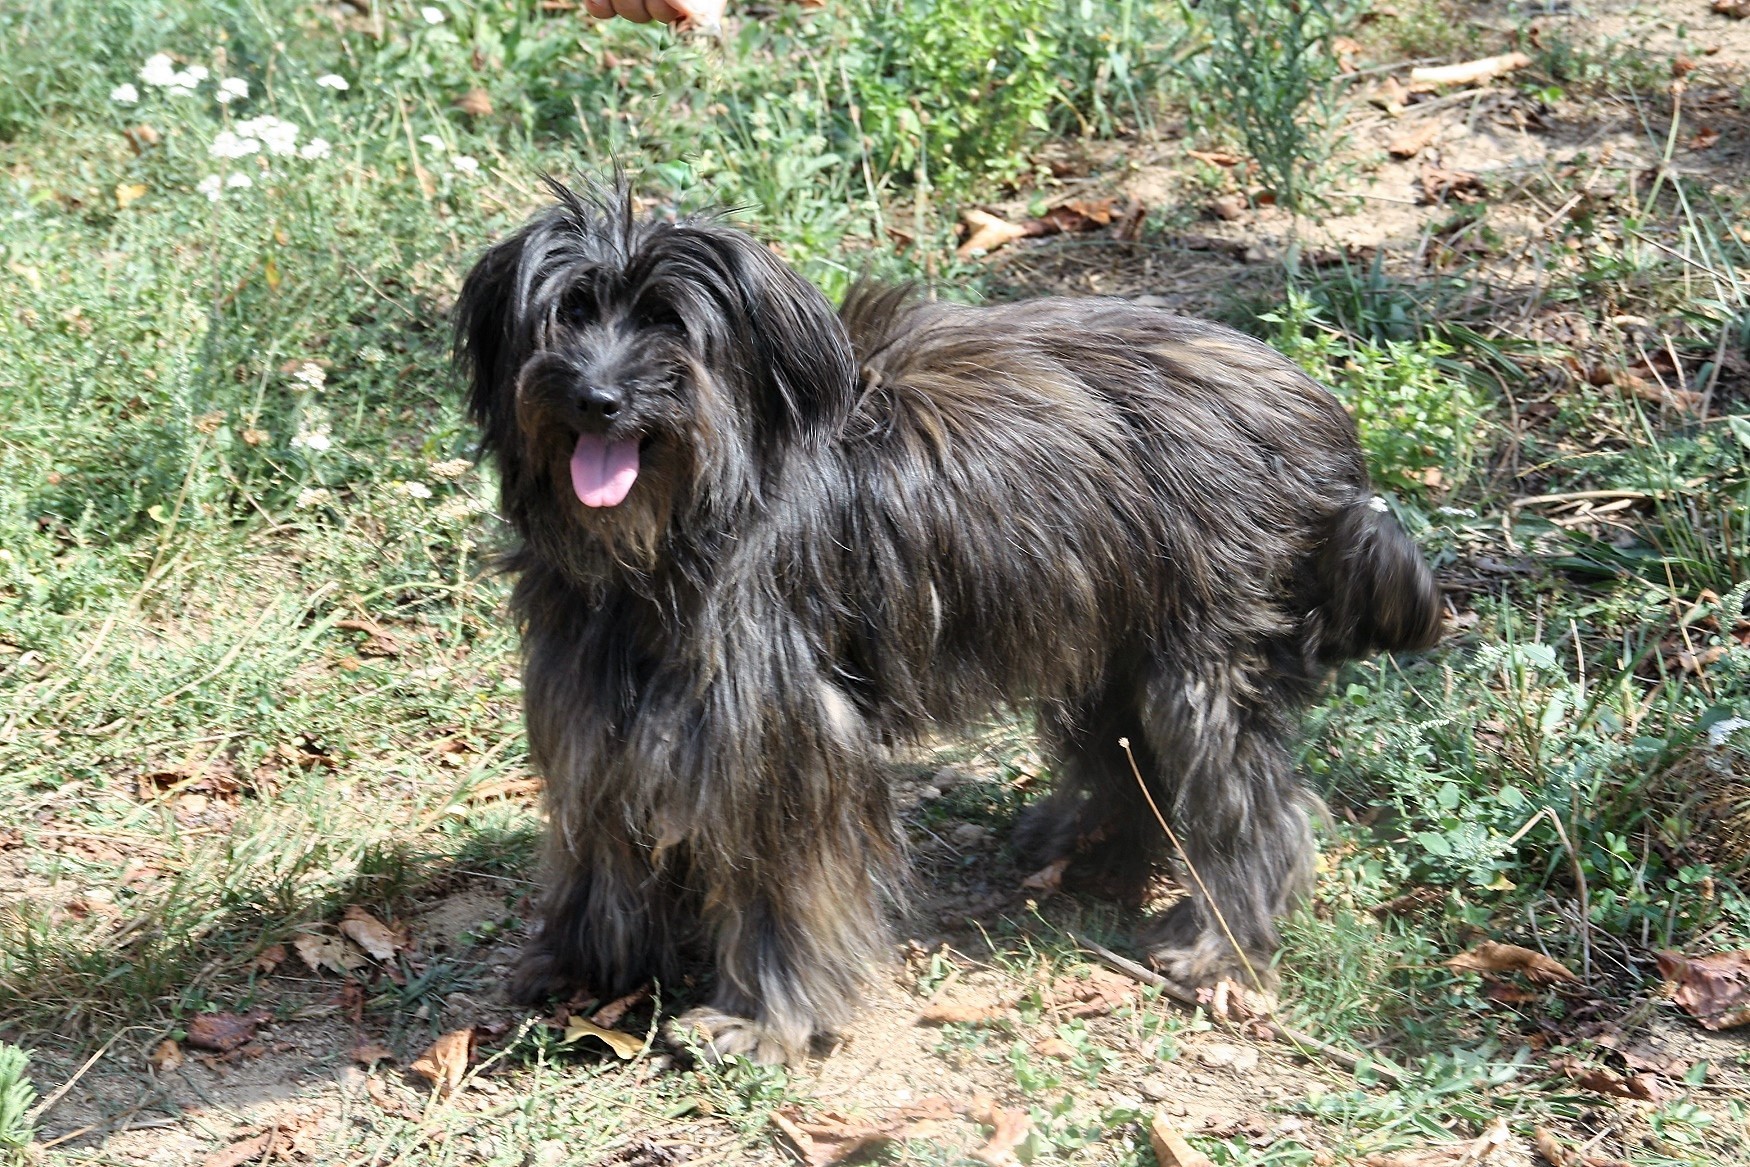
(334, 953)
(623, 1044)
(1048, 878)
(1714, 989)
(968, 1011)
(370, 933)
(446, 1063)
(1602, 1080)
(127, 193)
(1495, 1136)
(475, 103)
(832, 1137)
(1493, 957)
(1439, 184)
(1410, 143)
(1009, 1127)
(165, 1056)
(241, 1152)
(986, 232)
(223, 1032)
(1733, 9)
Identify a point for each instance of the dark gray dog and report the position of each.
(761, 542)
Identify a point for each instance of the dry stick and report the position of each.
(1579, 879)
(47, 1104)
(1179, 993)
(1257, 981)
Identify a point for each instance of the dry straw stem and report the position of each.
(1306, 1041)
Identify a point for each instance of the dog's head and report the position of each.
(633, 373)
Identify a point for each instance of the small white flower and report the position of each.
(276, 135)
(311, 374)
(182, 84)
(195, 74)
(313, 496)
(372, 355)
(332, 81)
(314, 149)
(227, 144)
(159, 69)
(454, 468)
(237, 179)
(209, 186)
(432, 140)
(455, 510)
(465, 164)
(316, 439)
(1720, 731)
(432, 15)
(232, 89)
(124, 94)
(416, 490)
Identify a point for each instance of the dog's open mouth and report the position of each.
(603, 469)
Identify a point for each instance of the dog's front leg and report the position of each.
(794, 874)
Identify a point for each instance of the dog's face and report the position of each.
(630, 374)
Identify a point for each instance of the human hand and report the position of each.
(639, 11)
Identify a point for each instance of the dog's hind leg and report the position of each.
(1240, 813)
(1095, 818)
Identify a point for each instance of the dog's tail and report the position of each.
(1379, 594)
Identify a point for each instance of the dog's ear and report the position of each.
(488, 319)
(794, 343)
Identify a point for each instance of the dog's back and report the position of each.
(1138, 438)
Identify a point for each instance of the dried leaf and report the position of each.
(987, 232)
(1601, 1080)
(387, 1102)
(1217, 157)
(142, 138)
(1552, 1149)
(1008, 1128)
(1229, 207)
(368, 932)
(369, 1053)
(327, 952)
(1412, 142)
(128, 192)
(1048, 878)
(832, 1137)
(239, 1153)
(941, 1013)
(1713, 989)
(1460, 186)
(1493, 957)
(475, 103)
(222, 1032)
(446, 1062)
(1171, 1149)
(268, 959)
(1735, 9)
(623, 1044)
(166, 1055)
(610, 1015)
(1704, 138)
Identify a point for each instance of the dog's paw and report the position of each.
(1207, 960)
(539, 975)
(714, 1035)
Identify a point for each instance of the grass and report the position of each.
(254, 667)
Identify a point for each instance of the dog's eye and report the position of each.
(657, 314)
(578, 308)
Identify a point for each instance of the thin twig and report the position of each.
(1579, 879)
(1342, 1057)
(1215, 908)
(48, 1103)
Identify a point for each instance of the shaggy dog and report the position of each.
(761, 543)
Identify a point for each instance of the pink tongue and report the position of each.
(602, 471)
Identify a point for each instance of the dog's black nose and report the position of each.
(600, 402)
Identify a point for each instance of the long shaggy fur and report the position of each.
(851, 529)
